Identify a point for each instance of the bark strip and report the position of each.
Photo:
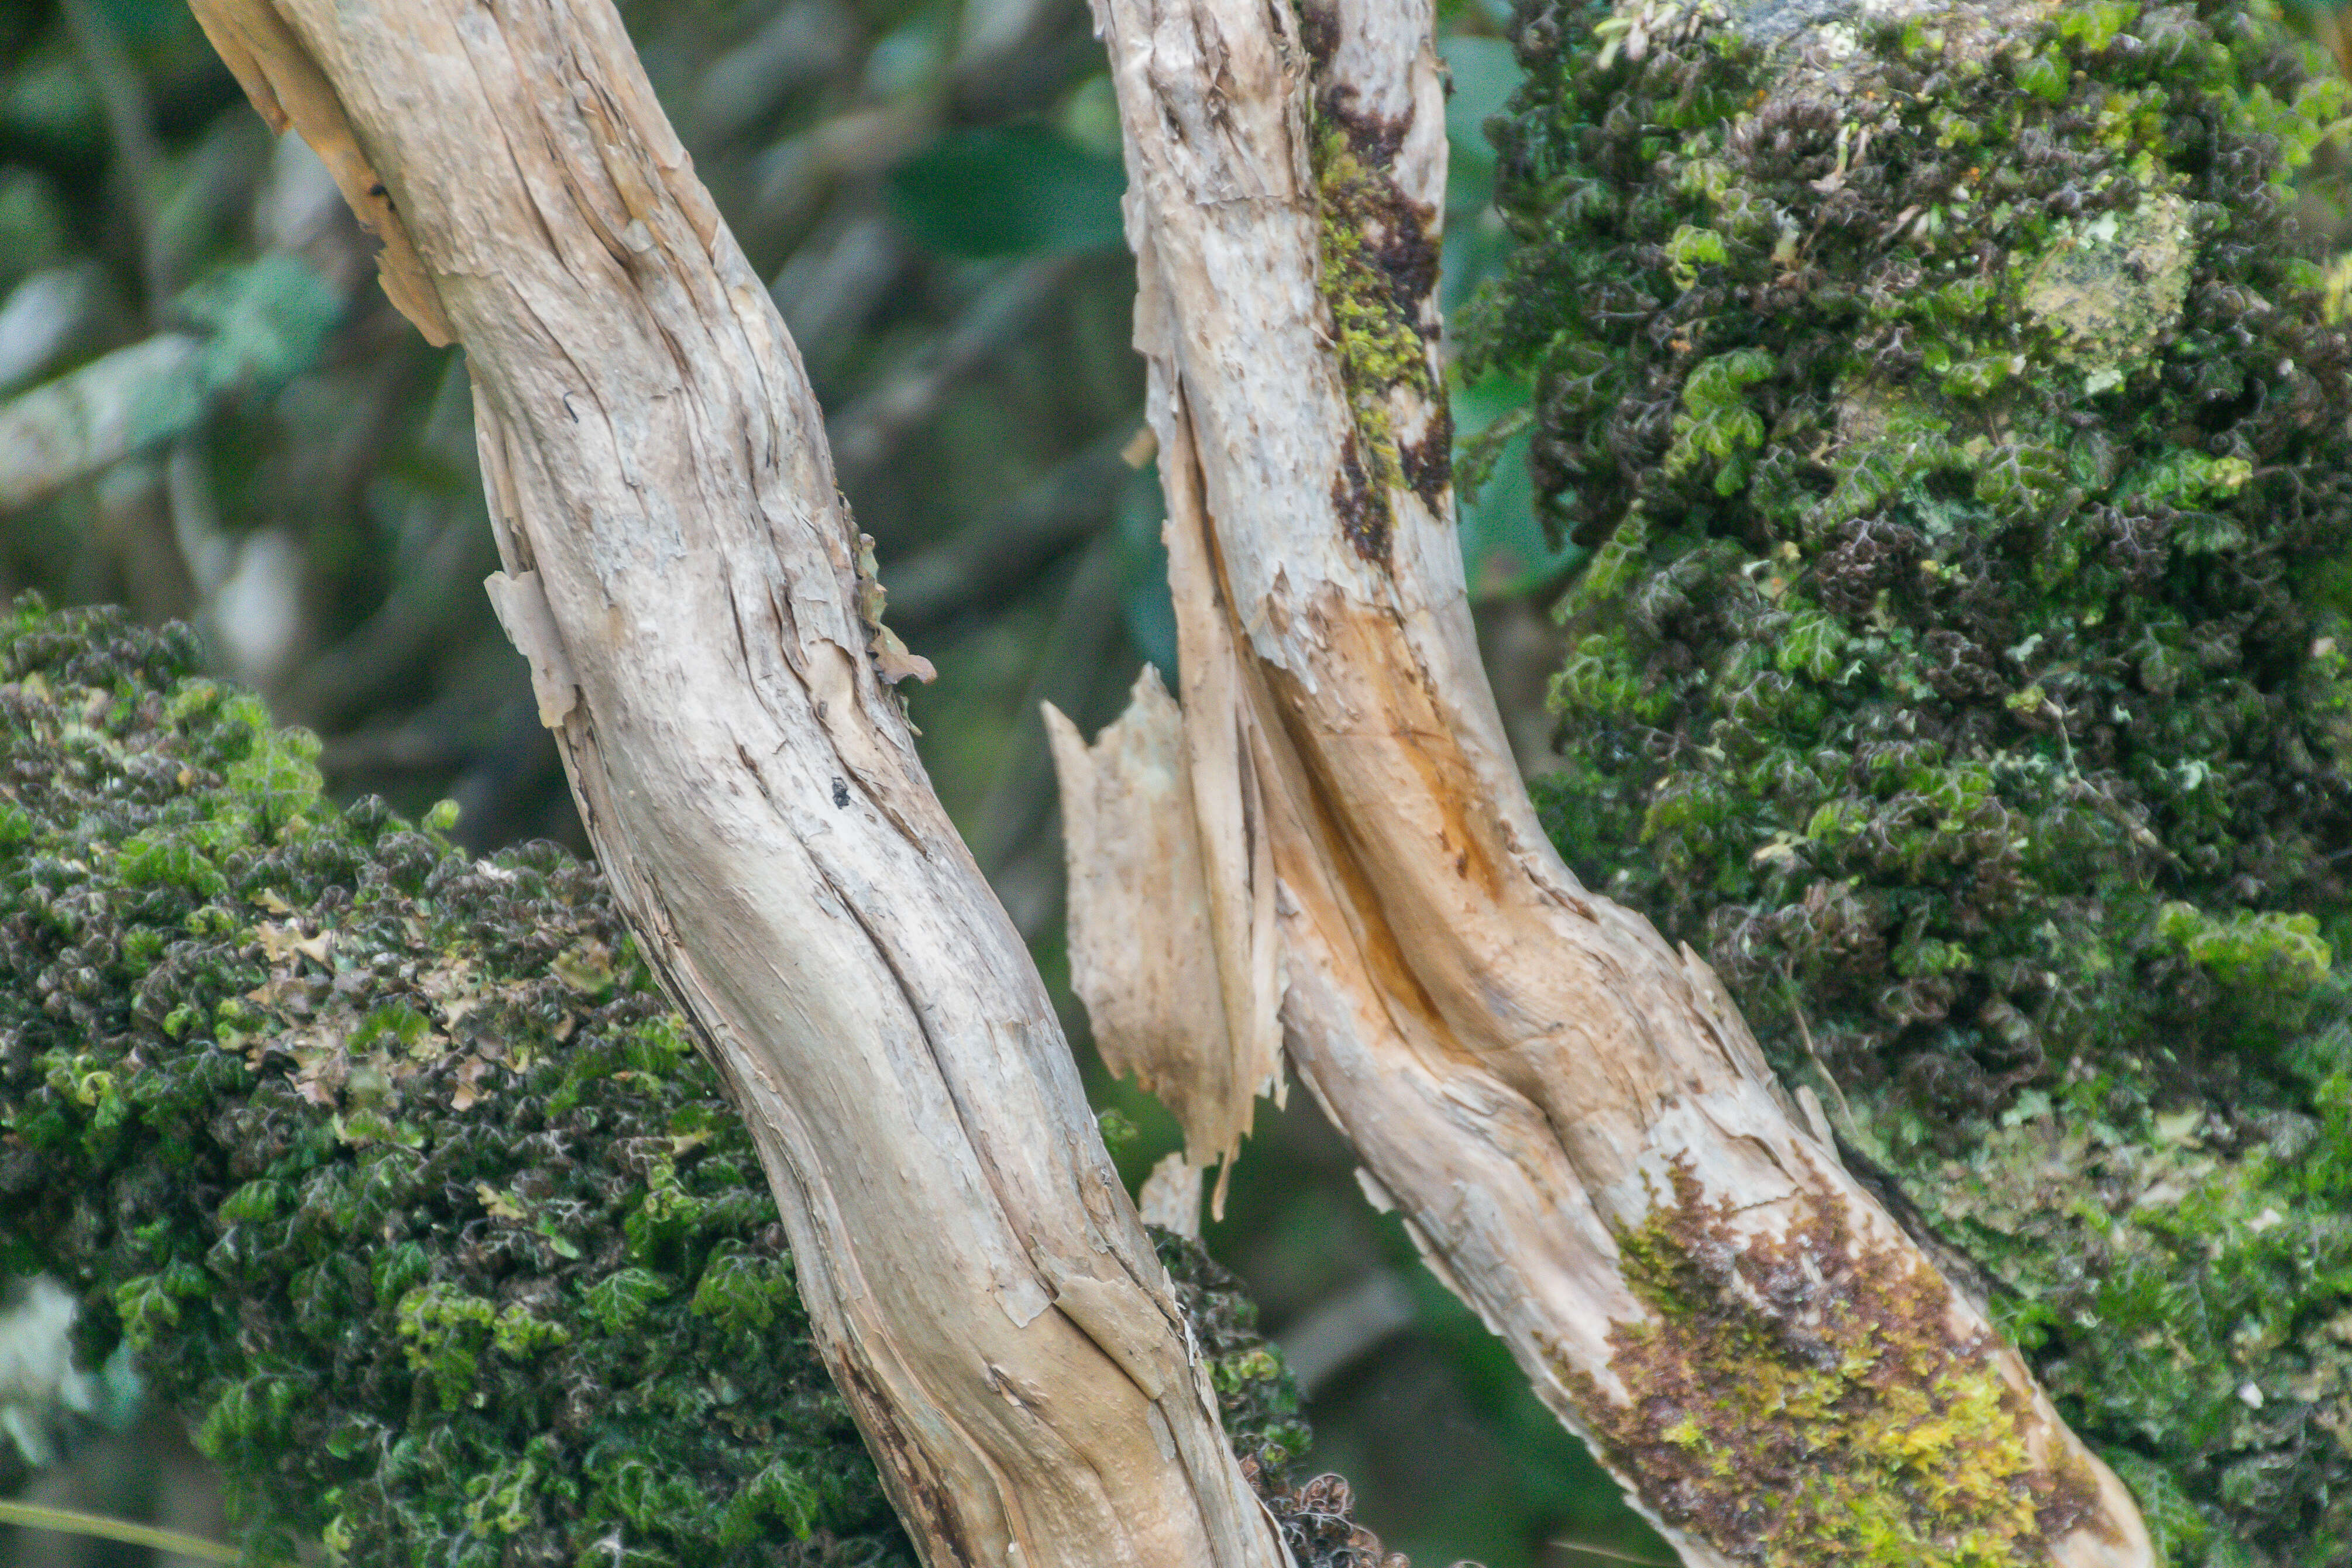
(1584, 1138)
(1135, 865)
(685, 579)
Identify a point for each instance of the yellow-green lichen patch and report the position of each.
(2110, 288)
(1802, 1399)
(1378, 258)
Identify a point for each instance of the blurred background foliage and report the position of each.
(209, 411)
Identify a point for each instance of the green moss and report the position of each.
(1379, 271)
(2213, 1273)
(399, 1174)
(1801, 1399)
(1255, 1395)
(393, 1166)
(1258, 1402)
(1966, 685)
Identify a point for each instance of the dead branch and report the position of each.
(685, 581)
(1543, 1087)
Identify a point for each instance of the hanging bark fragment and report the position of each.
(1136, 865)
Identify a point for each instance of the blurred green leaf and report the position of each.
(264, 322)
(268, 318)
(1504, 550)
(1009, 190)
(1485, 74)
(142, 22)
(1145, 602)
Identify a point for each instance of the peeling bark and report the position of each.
(1583, 1137)
(1136, 865)
(685, 580)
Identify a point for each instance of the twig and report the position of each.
(833, 281)
(1329, 1339)
(1588, 1550)
(69, 428)
(42, 315)
(1805, 1033)
(800, 46)
(204, 545)
(989, 558)
(131, 124)
(1065, 673)
(69, 1522)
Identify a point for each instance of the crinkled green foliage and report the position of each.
(1258, 1402)
(393, 1165)
(1968, 684)
(1255, 1395)
(400, 1176)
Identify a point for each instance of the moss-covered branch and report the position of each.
(1954, 407)
(397, 1171)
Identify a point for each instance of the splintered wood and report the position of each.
(1530, 1075)
(1135, 867)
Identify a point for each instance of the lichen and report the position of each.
(1965, 686)
(1378, 258)
(1803, 1398)
(2109, 288)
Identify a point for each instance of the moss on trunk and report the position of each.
(1949, 396)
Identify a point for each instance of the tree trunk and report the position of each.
(1583, 1137)
(687, 585)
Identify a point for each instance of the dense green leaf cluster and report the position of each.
(1255, 1395)
(1258, 1402)
(1961, 666)
(392, 1166)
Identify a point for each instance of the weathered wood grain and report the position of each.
(1526, 1068)
(685, 579)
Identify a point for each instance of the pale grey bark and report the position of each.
(1523, 1067)
(684, 579)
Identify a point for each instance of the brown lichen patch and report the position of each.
(1361, 507)
(1319, 32)
(1804, 1399)
(1428, 463)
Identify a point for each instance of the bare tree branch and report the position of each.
(1000, 554)
(76, 426)
(41, 316)
(1554, 1097)
(869, 430)
(684, 581)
